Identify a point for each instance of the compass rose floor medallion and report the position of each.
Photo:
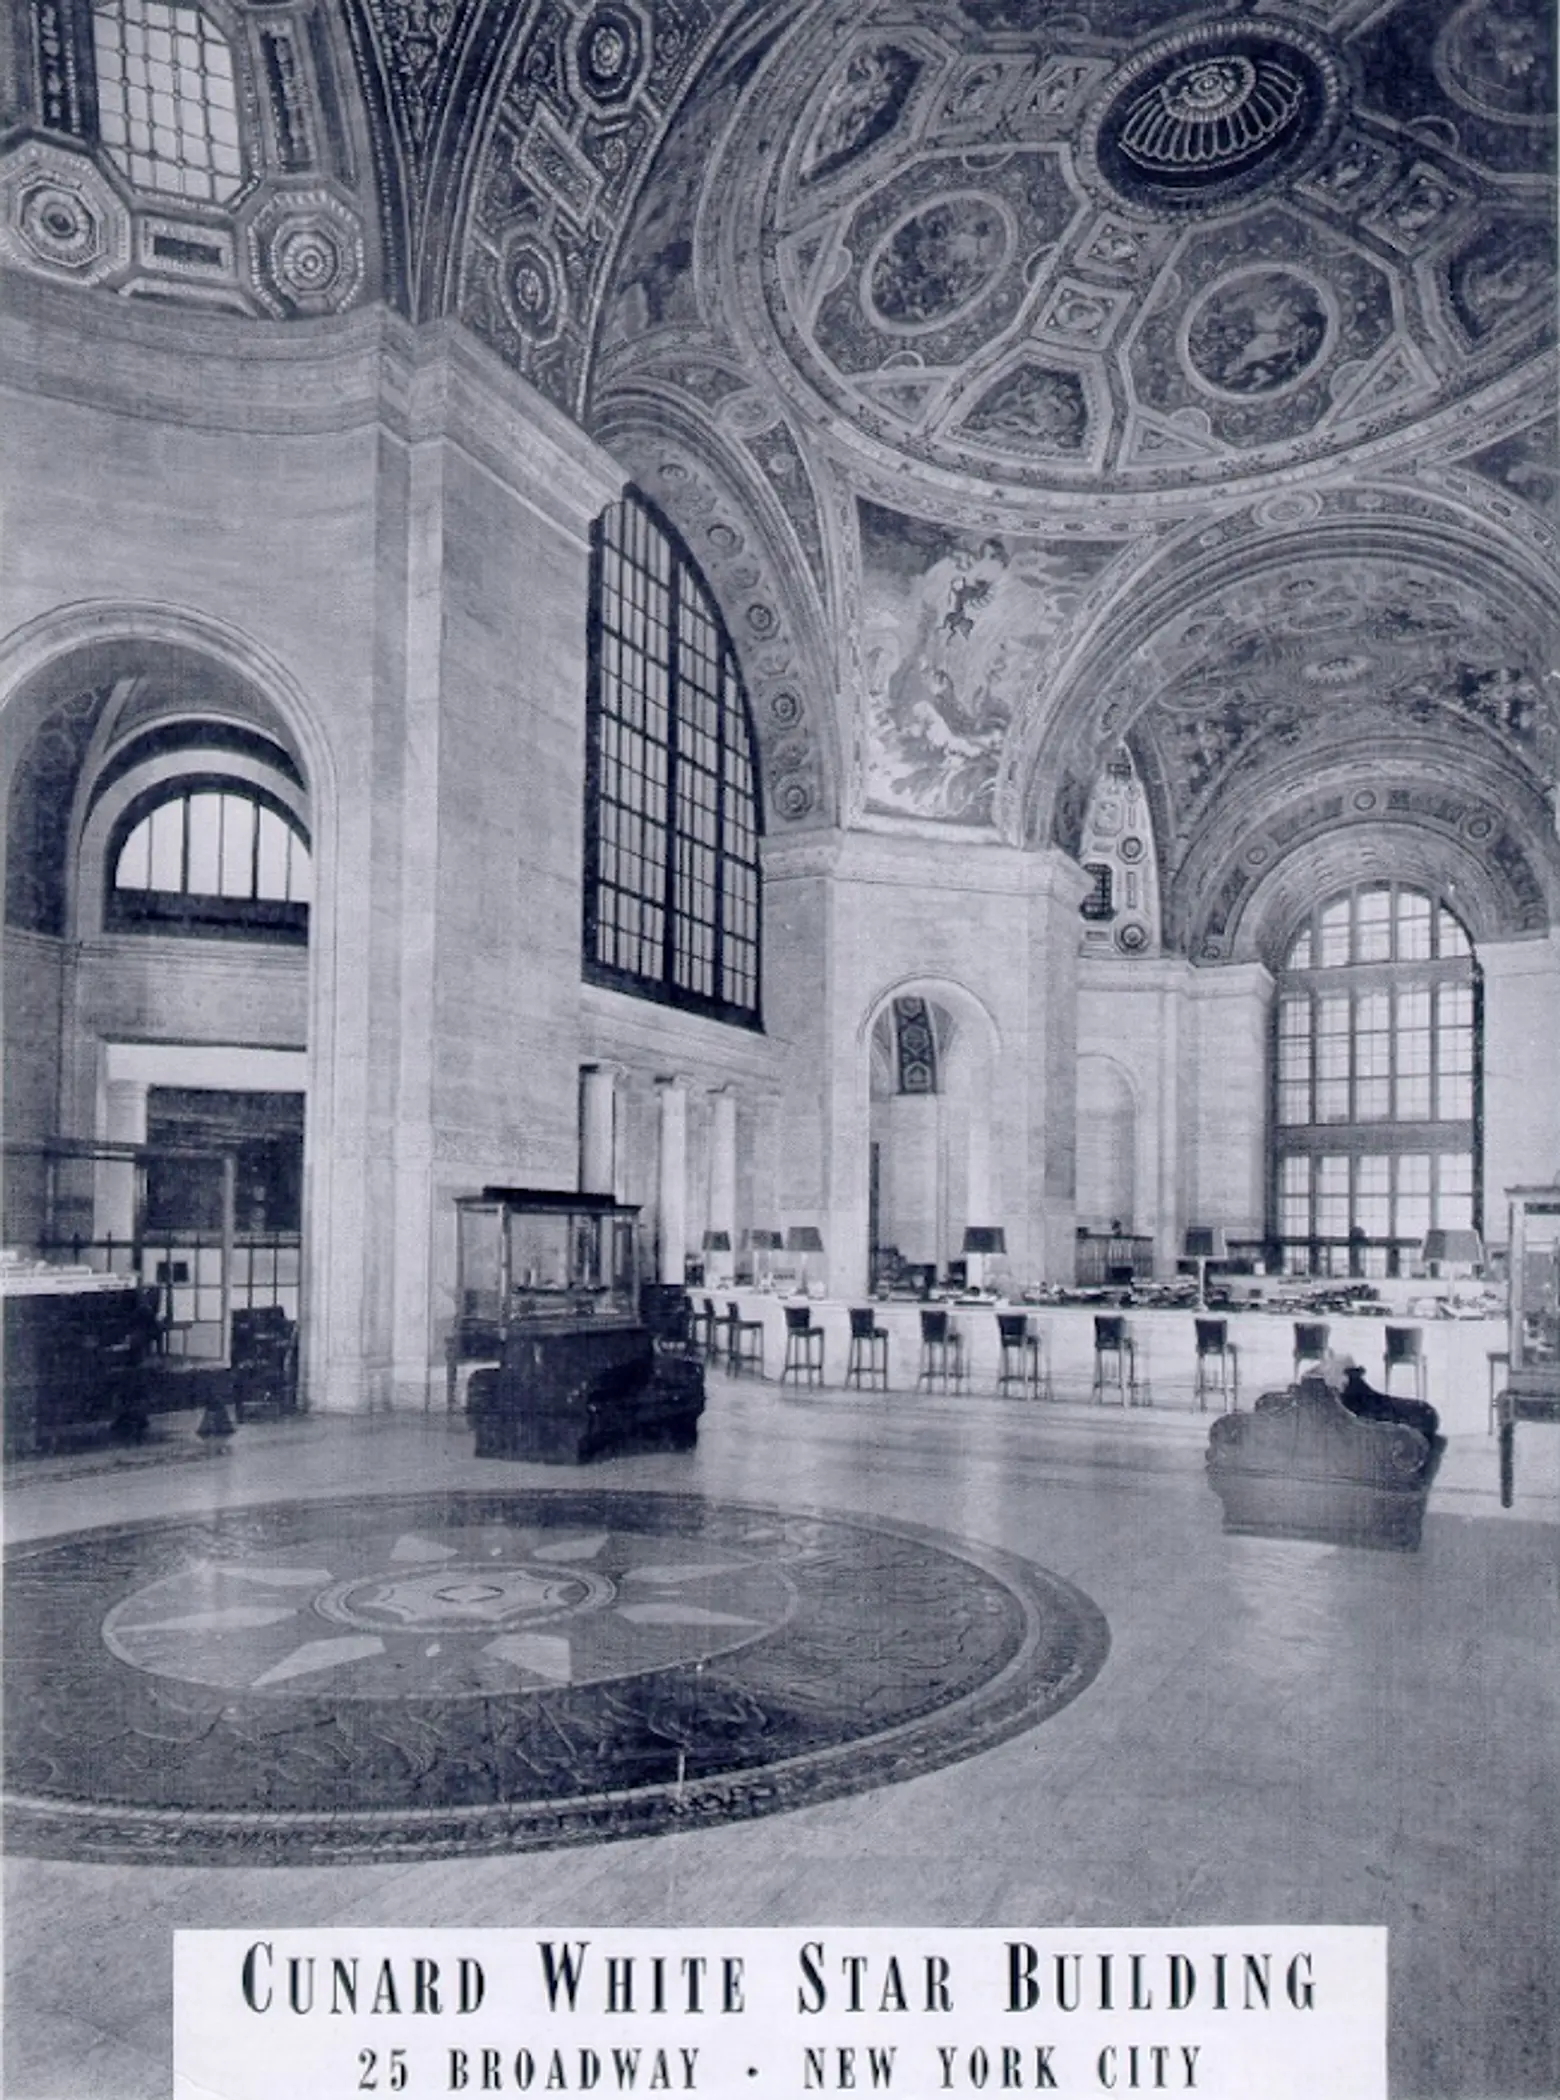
(422, 1676)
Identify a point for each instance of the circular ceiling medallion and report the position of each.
(1497, 58)
(531, 282)
(425, 1675)
(1211, 115)
(1132, 937)
(609, 53)
(937, 261)
(1131, 849)
(1257, 332)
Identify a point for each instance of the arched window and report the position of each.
(210, 856)
(671, 803)
(1377, 1060)
(167, 100)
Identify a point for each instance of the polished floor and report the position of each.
(1280, 1733)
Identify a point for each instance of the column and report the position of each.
(598, 1129)
(124, 1121)
(672, 1179)
(721, 1212)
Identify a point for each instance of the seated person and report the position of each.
(1344, 1377)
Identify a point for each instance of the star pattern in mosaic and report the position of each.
(448, 1610)
(426, 1675)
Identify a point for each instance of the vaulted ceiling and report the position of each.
(1027, 377)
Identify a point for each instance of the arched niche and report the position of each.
(1107, 1178)
(931, 1052)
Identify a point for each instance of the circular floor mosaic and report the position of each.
(426, 1675)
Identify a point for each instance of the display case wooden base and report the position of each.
(567, 1394)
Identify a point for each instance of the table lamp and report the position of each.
(803, 1240)
(717, 1243)
(1450, 1251)
(980, 1241)
(762, 1241)
(1203, 1244)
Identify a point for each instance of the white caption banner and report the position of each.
(1284, 2012)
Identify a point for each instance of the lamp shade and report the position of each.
(984, 1239)
(1204, 1243)
(764, 1237)
(717, 1243)
(1462, 1247)
(803, 1239)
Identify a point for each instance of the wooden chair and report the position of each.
(264, 1360)
(1405, 1350)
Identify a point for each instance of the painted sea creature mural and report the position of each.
(957, 626)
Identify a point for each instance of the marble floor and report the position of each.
(1280, 1733)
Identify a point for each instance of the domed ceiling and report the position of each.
(1033, 249)
(1180, 375)
(1028, 378)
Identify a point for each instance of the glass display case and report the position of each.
(1533, 1372)
(543, 1255)
(568, 1365)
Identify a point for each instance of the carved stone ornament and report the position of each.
(59, 218)
(306, 254)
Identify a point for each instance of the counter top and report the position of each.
(1456, 1351)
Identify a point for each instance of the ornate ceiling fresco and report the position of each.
(1033, 379)
(1069, 311)
(1036, 248)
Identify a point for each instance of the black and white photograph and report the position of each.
(781, 1123)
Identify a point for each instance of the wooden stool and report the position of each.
(1115, 1359)
(1405, 1350)
(868, 1350)
(1216, 1350)
(942, 1350)
(1311, 1343)
(1022, 1353)
(744, 1341)
(803, 1346)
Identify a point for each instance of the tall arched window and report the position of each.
(210, 856)
(671, 802)
(1376, 1107)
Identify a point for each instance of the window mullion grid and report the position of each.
(722, 709)
(669, 931)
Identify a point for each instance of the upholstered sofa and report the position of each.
(1347, 1467)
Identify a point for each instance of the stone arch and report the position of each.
(71, 642)
(1318, 867)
